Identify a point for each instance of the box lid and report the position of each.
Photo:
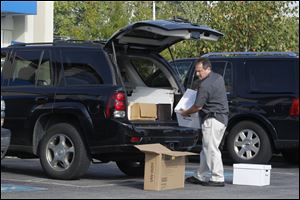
(187, 100)
(160, 149)
(251, 166)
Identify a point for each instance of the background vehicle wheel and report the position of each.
(132, 168)
(248, 142)
(3, 154)
(62, 152)
(291, 155)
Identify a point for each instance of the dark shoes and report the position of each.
(194, 180)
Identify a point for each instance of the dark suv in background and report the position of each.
(263, 95)
(69, 103)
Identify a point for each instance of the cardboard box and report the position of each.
(187, 100)
(164, 169)
(251, 174)
(164, 112)
(142, 111)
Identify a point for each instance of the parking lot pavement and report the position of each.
(25, 179)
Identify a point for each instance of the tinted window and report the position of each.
(31, 68)
(182, 68)
(80, 70)
(223, 68)
(274, 76)
(3, 58)
(150, 73)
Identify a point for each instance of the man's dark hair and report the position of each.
(205, 62)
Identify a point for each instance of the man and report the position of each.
(212, 105)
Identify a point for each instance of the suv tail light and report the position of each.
(118, 103)
(295, 107)
(2, 112)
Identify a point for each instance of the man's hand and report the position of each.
(183, 112)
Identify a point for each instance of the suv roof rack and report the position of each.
(235, 54)
(63, 42)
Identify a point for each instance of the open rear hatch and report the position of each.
(153, 37)
(158, 35)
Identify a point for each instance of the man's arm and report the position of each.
(191, 110)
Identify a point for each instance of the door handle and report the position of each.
(41, 100)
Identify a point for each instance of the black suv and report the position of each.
(263, 95)
(68, 103)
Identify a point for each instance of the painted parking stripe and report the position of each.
(19, 188)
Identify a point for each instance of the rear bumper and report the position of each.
(168, 134)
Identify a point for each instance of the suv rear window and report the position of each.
(182, 68)
(151, 75)
(83, 70)
(276, 76)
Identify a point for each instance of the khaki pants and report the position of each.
(211, 166)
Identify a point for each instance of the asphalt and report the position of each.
(23, 179)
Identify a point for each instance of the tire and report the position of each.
(132, 168)
(291, 155)
(3, 154)
(62, 153)
(248, 142)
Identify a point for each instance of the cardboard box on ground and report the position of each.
(187, 100)
(164, 169)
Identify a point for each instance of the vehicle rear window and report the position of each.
(276, 76)
(151, 75)
(84, 70)
(182, 68)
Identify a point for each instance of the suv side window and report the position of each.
(80, 70)
(223, 68)
(271, 76)
(31, 68)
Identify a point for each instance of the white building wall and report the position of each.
(29, 28)
(43, 24)
(7, 28)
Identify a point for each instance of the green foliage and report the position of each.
(247, 25)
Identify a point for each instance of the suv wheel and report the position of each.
(132, 168)
(62, 152)
(248, 142)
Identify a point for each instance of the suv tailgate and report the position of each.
(167, 133)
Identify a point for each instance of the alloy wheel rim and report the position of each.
(60, 152)
(247, 144)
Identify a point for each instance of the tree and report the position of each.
(89, 20)
(247, 25)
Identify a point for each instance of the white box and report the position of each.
(251, 174)
(187, 100)
(192, 121)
